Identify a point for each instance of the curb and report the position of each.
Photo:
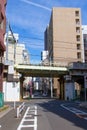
(3, 111)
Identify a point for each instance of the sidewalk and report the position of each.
(4, 110)
(8, 119)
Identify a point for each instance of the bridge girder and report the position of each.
(41, 71)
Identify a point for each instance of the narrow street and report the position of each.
(46, 114)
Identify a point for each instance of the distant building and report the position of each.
(21, 54)
(45, 57)
(84, 39)
(2, 32)
(46, 38)
(15, 52)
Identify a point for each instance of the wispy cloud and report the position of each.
(35, 4)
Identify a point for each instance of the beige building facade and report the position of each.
(63, 40)
(63, 36)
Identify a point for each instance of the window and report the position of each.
(76, 13)
(78, 38)
(79, 55)
(78, 29)
(78, 46)
(77, 22)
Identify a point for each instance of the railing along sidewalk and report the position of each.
(20, 109)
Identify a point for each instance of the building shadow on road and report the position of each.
(54, 106)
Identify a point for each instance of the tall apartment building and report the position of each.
(63, 40)
(2, 32)
(63, 36)
(84, 39)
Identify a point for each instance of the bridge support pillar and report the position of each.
(21, 87)
(51, 87)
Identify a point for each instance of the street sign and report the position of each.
(10, 69)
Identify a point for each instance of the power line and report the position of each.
(63, 48)
(34, 55)
(29, 38)
(53, 41)
(33, 38)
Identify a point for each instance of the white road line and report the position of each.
(85, 118)
(75, 111)
(35, 122)
(29, 116)
(0, 126)
(19, 128)
(25, 126)
(28, 119)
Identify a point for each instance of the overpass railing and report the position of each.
(77, 65)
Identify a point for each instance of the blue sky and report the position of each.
(29, 18)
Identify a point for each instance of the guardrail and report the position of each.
(77, 65)
(20, 109)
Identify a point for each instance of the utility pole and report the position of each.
(7, 41)
(14, 42)
(9, 29)
(51, 87)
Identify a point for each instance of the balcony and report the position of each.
(2, 60)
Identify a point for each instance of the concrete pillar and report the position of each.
(21, 87)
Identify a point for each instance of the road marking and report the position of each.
(0, 126)
(35, 121)
(29, 117)
(77, 112)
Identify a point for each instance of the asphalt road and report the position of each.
(46, 114)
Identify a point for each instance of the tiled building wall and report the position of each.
(2, 32)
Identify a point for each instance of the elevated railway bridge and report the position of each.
(30, 70)
(78, 72)
(41, 71)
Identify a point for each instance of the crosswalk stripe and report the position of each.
(26, 118)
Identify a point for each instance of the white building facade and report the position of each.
(15, 54)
